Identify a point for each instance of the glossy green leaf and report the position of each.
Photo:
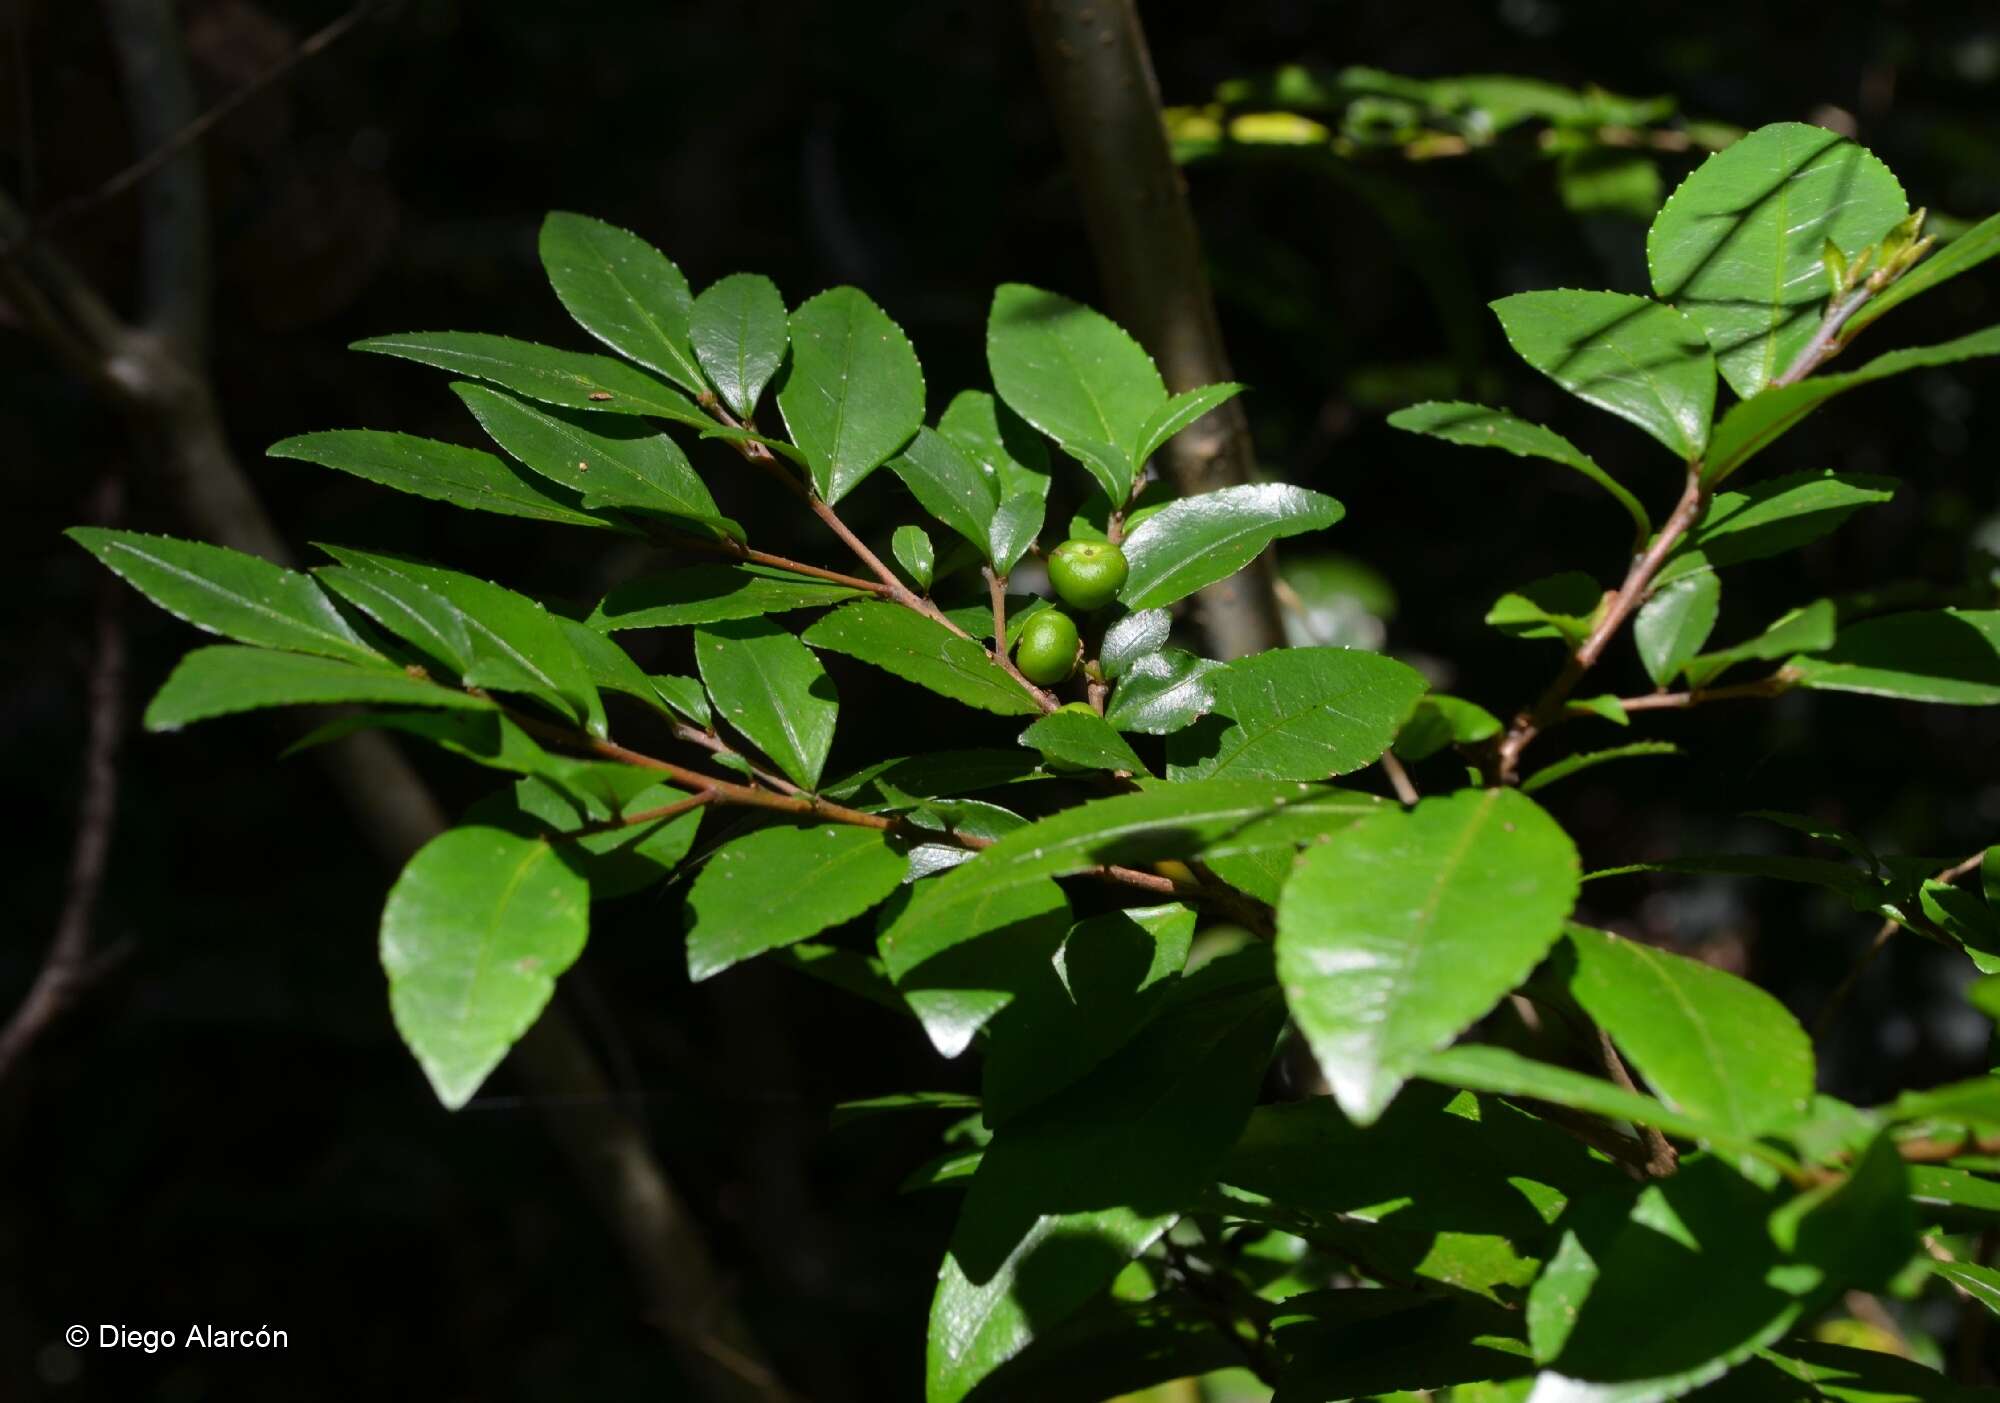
(1505, 1073)
(1180, 412)
(1961, 255)
(1795, 1371)
(1806, 630)
(1750, 427)
(623, 291)
(1109, 977)
(1710, 1044)
(422, 619)
(1074, 374)
(739, 333)
(951, 486)
(443, 472)
(956, 987)
(1195, 541)
(1696, 1236)
(1561, 606)
(616, 861)
(1475, 424)
(1114, 1348)
(1298, 713)
(1769, 518)
(1947, 655)
(475, 931)
(1589, 759)
(853, 394)
(1738, 246)
(1163, 821)
(770, 688)
(1439, 721)
(607, 463)
(1068, 1192)
(706, 594)
(1163, 692)
(1396, 934)
(1858, 1231)
(568, 378)
(1640, 360)
(1131, 638)
(782, 885)
(225, 679)
(1014, 457)
(515, 644)
(1671, 626)
(226, 592)
(1085, 741)
(921, 650)
(1982, 1284)
(912, 549)
(1391, 1343)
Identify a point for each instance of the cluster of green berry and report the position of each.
(1087, 575)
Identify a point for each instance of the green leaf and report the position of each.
(1753, 425)
(1396, 934)
(921, 650)
(1163, 692)
(1976, 1100)
(1961, 255)
(1947, 655)
(1183, 411)
(1644, 362)
(1051, 1272)
(1561, 606)
(475, 931)
(1112, 1349)
(1505, 1073)
(771, 688)
(1195, 541)
(1391, 1343)
(706, 594)
(1133, 637)
(225, 679)
(1805, 630)
(610, 668)
(1982, 1284)
(1110, 976)
(1086, 741)
(912, 549)
(957, 990)
(1441, 720)
(1603, 181)
(1795, 1371)
(1475, 424)
(950, 485)
(1170, 820)
(1571, 764)
(618, 861)
(567, 378)
(1738, 246)
(1069, 1192)
(1697, 1236)
(1858, 1231)
(1298, 713)
(226, 592)
(514, 644)
(422, 619)
(781, 885)
(1074, 374)
(608, 463)
(485, 737)
(1772, 517)
(443, 472)
(854, 393)
(621, 290)
(739, 334)
(1017, 461)
(1710, 1044)
(1671, 626)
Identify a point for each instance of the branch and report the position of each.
(996, 591)
(1106, 103)
(1662, 1158)
(70, 968)
(1777, 684)
(1617, 608)
(1883, 934)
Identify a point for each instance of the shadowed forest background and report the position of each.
(227, 1131)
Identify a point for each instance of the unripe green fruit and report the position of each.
(1087, 574)
(1047, 650)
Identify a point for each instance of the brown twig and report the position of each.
(70, 967)
(1399, 779)
(1618, 606)
(732, 549)
(1776, 684)
(1662, 1158)
(996, 590)
(1883, 934)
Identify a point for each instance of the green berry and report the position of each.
(1087, 574)
(1047, 650)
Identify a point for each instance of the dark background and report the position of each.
(229, 1131)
